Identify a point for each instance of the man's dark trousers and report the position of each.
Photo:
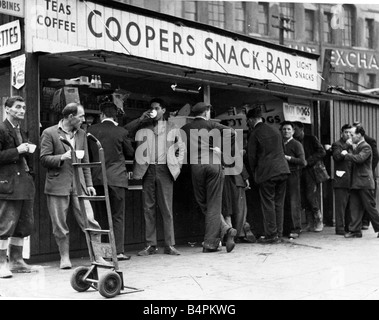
(117, 202)
(362, 200)
(366, 216)
(208, 182)
(158, 186)
(341, 199)
(309, 192)
(272, 194)
(293, 203)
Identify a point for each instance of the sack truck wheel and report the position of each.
(110, 284)
(77, 282)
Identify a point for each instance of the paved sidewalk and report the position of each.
(316, 266)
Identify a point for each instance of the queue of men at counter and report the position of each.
(279, 162)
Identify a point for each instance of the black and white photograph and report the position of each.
(188, 156)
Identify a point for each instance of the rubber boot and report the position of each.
(4, 269)
(16, 261)
(64, 251)
(319, 225)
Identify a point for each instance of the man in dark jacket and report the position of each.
(204, 156)
(294, 154)
(342, 179)
(117, 148)
(270, 169)
(314, 152)
(375, 158)
(362, 184)
(16, 189)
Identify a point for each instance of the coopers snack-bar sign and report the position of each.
(62, 26)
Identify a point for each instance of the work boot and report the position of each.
(96, 237)
(64, 251)
(310, 222)
(249, 235)
(230, 244)
(4, 269)
(319, 225)
(16, 262)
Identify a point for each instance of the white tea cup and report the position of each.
(153, 113)
(31, 147)
(79, 154)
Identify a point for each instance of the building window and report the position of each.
(348, 38)
(351, 81)
(328, 31)
(287, 10)
(216, 13)
(371, 81)
(240, 14)
(309, 25)
(190, 11)
(369, 26)
(263, 18)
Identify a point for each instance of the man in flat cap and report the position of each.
(270, 169)
(204, 157)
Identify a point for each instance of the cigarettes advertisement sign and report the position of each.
(18, 71)
(60, 26)
(10, 37)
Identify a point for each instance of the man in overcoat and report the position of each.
(16, 189)
(270, 169)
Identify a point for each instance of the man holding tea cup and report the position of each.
(17, 189)
(56, 157)
(161, 141)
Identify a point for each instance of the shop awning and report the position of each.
(123, 65)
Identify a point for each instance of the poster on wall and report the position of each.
(272, 114)
(18, 71)
(297, 112)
